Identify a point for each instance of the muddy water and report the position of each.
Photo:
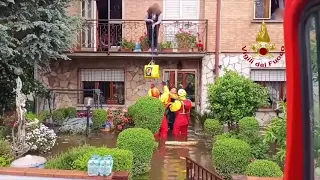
(166, 162)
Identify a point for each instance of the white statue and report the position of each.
(18, 138)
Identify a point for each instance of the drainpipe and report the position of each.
(218, 28)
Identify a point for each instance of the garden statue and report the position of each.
(19, 138)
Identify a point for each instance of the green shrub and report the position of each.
(147, 113)
(43, 115)
(264, 168)
(230, 156)
(30, 116)
(213, 127)
(58, 116)
(77, 158)
(234, 96)
(222, 136)
(70, 112)
(99, 117)
(6, 153)
(259, 150)
(142, 143)
(249, 130)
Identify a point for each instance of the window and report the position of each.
(182, 79)
(274, 80)
(269, 9)
(109, 81)
(176, 10)
(89, 13)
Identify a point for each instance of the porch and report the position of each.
(111, 37)
(119, 79)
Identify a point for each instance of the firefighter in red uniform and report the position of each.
(165, 99)
(182, 107)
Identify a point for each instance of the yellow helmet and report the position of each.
(182, 93)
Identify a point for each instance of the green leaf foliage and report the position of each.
(32, 34)
(147, 113)
(99, 117)
(249, 129)
(213, 127)
(264, 168)
(142, 143)
(230, 156)
(77, 158)
(234, 96)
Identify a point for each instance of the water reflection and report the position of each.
(166, 162)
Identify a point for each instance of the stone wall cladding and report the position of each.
(64, 75)
(234, 61)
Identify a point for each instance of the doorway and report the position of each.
(115, 27)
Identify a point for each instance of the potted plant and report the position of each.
(166, 46)
(126, 46)
(199, 46)
(144, 42)
(185, 40)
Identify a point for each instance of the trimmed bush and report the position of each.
(6, 154)
(99, 117)
(77, 158)
(264, 168)
(249, 129)
(213, 127)
(230, 156)
(70, 112)
(222, 136)
(233, 96)
(142, 143)
(58, 116)
(147, 113)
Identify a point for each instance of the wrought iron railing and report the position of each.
(95, 36)
(197, 172)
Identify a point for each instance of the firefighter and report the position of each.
(164, 98)
(182, 107)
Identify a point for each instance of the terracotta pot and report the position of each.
(125, 50)
(195, 50)
(145, 49)
(166, 50)
(183, 49)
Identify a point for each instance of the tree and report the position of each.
(32, 34)
(234, 96)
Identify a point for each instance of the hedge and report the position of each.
(142, 143)
(213, 127)
(230, 156)
(264, 168)
(99, 117)
(77, 158)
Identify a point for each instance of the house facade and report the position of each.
(224, 32)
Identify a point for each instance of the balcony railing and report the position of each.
(121, 35)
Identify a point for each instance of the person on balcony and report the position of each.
(182, 107)
(153, 20)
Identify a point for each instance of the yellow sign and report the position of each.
(262, 48)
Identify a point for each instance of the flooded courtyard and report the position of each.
(166, 164)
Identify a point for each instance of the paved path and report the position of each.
(7, 177)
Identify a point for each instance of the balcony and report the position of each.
(114, 36)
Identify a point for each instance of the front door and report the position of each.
(183, 79)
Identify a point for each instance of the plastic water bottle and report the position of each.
(102, 167)
(96, 163)
(109, 165)
(91, 171)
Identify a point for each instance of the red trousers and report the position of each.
(163, 132)
(180, 126)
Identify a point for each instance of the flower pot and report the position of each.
(125, 50)
(166, 50)
(195, 50)
(145, 49)
(183, 49)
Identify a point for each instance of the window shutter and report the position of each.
(268, 75)
(115, 75)
(189, 9)
(172, 9)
